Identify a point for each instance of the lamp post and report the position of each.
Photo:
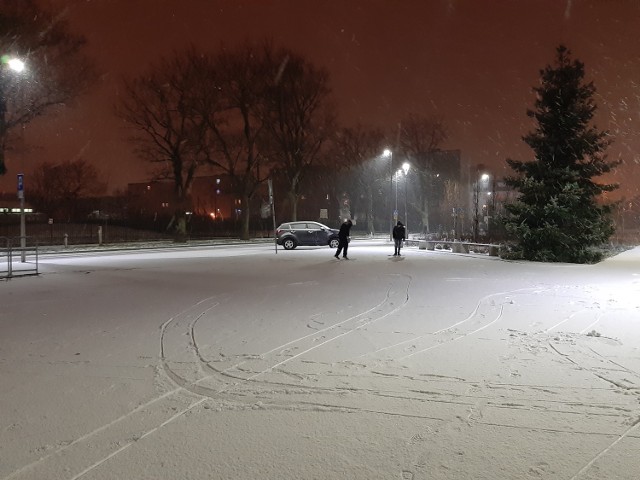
(405, 168)
(395, 211)
(389, 153)
(479, 177)
(16, 65)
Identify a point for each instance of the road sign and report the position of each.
(20, 185)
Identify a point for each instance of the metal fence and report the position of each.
(62, 234)
(97, 233)
(18, 257)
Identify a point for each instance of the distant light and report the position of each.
(16, 64)
(406, 167)
(484, 177)
(386, 153)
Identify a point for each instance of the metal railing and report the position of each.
(456, 246)
(16, 260)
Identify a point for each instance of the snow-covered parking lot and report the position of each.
(233, 362)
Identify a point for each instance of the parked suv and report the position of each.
(292, 234)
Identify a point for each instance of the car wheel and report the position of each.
(333, 243)
(289, 244)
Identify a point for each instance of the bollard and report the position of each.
(66, 240)
(99, 235)
(459, 247)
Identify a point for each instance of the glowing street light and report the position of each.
(484, 178)
(399, 173)
(405, 168)
(18, 66)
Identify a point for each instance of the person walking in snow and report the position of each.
(343, 239)
(399, 235)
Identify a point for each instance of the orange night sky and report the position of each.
(473, 62)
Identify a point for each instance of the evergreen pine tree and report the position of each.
(557, 216)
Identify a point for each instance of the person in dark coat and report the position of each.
(399, 235)
(343, 239)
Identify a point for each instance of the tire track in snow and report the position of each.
(231, 381)
(205, 372)
(603, 452)
(92, 449)
(381, 311)
(484, 301)
(596, 365)
(600, 366)
(395, 298)
(244, 384)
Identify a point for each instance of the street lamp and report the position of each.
(389, 153)
(16, 65)
(395, 210)
(405, 168)
(484, 177)
(399, 173)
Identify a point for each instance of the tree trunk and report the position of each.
(425, 215)
(370, 225)
(293, 198)
(178, 224)
(245, 218)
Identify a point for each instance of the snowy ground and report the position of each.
(239, 363)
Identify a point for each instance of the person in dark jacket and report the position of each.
(399, 235)
(343, 239)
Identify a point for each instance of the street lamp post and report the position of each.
(389, 153)
(484, 177)
(16, 65)
(405, 168)
(395, 211)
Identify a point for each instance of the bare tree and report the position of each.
(420, 136)
(165, 108)
(449, 207)
(299, 118)
(235, 131)
(55, 68)
(57, 189)
(358, 149)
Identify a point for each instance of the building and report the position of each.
(210, 196)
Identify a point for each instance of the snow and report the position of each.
(220, 362)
